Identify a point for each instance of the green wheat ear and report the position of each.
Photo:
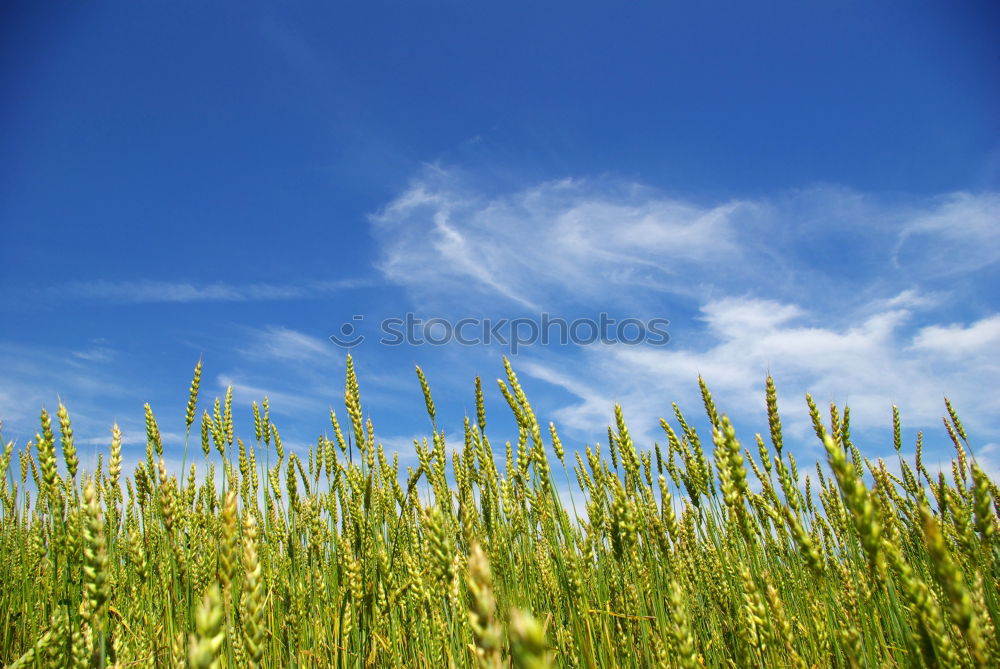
(428, 400)
(192, 405)
(529, 649)
(209, 634)
(482, 611)
(662, 559)
(252, 603)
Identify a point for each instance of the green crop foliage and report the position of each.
(699, 552)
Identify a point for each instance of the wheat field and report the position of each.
(704, 551)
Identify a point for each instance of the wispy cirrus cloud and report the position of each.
(285, 344)
(847, 295)
(960, 235)
(282, 401)
(133, 437)
(584, 240)
(146, 291)
(37, 375)
(559, 240)
(877, 362)
(98, 351)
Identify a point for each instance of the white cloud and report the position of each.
(988, 457)
(835, 292)
(133, 437)
(957, 340)
(36, 376)
(283, 343)
(559, 240)
(869, 366)
(960, 235)
(146, 291)
(99, 351)
(734, 317)
(281, 402)
(586, 241)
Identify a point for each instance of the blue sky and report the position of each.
(810, 189)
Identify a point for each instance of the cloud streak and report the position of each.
(150, 292)
(284, 344)
(580, 241)
(559, 240)
(871, 365)
(846, 295)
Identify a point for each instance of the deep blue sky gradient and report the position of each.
(250, 144)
